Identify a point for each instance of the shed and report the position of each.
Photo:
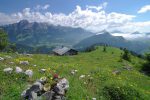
(64, 51)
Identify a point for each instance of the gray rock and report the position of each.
(29, 73)
(1, 59)
(48, 95)
(8, 70)
(24, 62)
(116, 72)
(127, 68)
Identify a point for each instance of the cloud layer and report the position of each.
(144, 9)
(93, 18)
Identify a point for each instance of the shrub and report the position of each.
(3, 39)
(146, 66)
(126, 55)
(114, 92)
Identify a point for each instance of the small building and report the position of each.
(64, 51)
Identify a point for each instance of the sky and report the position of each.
(94, 15)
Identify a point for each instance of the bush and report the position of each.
(114, 92)
(126, 55)
(3, 39)
(146, 66)
(89, 49)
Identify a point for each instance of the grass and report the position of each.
(97, 64)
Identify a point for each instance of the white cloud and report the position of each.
(144, 9)
(93, 20)
(39, 7)
(97, 8)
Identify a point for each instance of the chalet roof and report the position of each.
(62, 50)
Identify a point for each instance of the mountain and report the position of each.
(43, 34)
(136, 33)
(43, 37)
(116, 41)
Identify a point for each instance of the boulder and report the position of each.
(29, 73)
(19, 70)
(36, 91)
(1, 59)
(93, 98)
(82, 76)
(11, 62)
(62, 86)
(8, 57)
(8, 70)
(32, 92)
(24, 62)
(116, 72)
(127, 67)
(42, 70)
(34, 65)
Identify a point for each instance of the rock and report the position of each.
(32, 92)
(1, 59)
(19, 70)
(74, 72)
(62, 86)
(34, 65)
(127, 68)
(8, 57)
(29, 73)
(29, 55)
(24, 62)
(34, 95)
(82, 76)
(42, 70)
(57, 92)
(93, 98)
(89, 75)
(47, 96)
(85, 83)
(11, 62)
(43, 80)
(46, 87)
(8, 70)
(116, 72)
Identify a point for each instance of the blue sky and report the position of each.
(126, 11)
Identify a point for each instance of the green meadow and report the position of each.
(99, 82)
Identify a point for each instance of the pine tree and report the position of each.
(126, 55)
(3, 39)
(104, 48)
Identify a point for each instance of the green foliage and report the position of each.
(89, 49)
(11, 48)
(126, 55)
(117, 92)
(104, 49)
(3, 39)
(146, 65)
(148, 57)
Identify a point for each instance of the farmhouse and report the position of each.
(64, 51)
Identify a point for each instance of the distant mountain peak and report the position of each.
(105, 32)
(116, 31)
(24, 21)
(136, 32)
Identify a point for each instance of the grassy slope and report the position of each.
(98, 64)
